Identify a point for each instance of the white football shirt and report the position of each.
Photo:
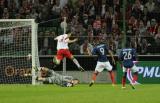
(62, 41)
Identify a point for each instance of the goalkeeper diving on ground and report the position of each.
(54, 78)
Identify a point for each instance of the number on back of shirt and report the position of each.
(127, 55)
(102, 51)
(62, 39)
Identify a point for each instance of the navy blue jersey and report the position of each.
(127, 56)
(101, 50)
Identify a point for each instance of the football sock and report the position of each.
(123, 81)
(76, 62)
(94, 76)
(112, 77)
(135, 77)
(55, 61)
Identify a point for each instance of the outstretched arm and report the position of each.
(56, 38)
(71, 41)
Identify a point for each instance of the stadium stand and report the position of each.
(91, 20)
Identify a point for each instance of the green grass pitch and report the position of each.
(98, 93)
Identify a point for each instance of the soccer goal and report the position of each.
(18, 51)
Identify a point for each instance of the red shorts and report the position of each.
(63, 53)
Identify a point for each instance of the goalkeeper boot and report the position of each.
(81, 69)
(91, 83)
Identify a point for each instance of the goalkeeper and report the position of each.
(55, 78)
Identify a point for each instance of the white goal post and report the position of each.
(18, 51)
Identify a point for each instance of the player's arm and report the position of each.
(68, 40)
(111, 54)
(56, 38)
(72, 41)
(68, 36)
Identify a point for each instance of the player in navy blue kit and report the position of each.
(128, 56)
(103, 63)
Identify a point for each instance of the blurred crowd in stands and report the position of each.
(91, 20)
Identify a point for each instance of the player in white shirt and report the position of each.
(63, 50)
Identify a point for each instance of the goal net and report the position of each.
(18, 51)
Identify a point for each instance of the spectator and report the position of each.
(130, 30)
(63, 3)
(103, 9)
(44, 12)
(153, 28)
(157, 37)
(109, 17)
(91, 10)
(90, 33)
(84, 46)
(104, 27)
(142, 29)
(145, 15)
(75, 48)
(5, 14)
(98, 4)
(144, 46)
(97, 26)
(34, 14)
(150, 6)
(115, 29)
(137, 9)
(85, 21)
(56, 9)
(91, 18)
(134, 22)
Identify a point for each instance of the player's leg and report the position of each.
(94, 76)
(69, 55)
(57, 59)
(135, 74)
(77, 64)
(112, 76)
(109, 67)
(124, 77)
(99, 68)
(135, 77)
